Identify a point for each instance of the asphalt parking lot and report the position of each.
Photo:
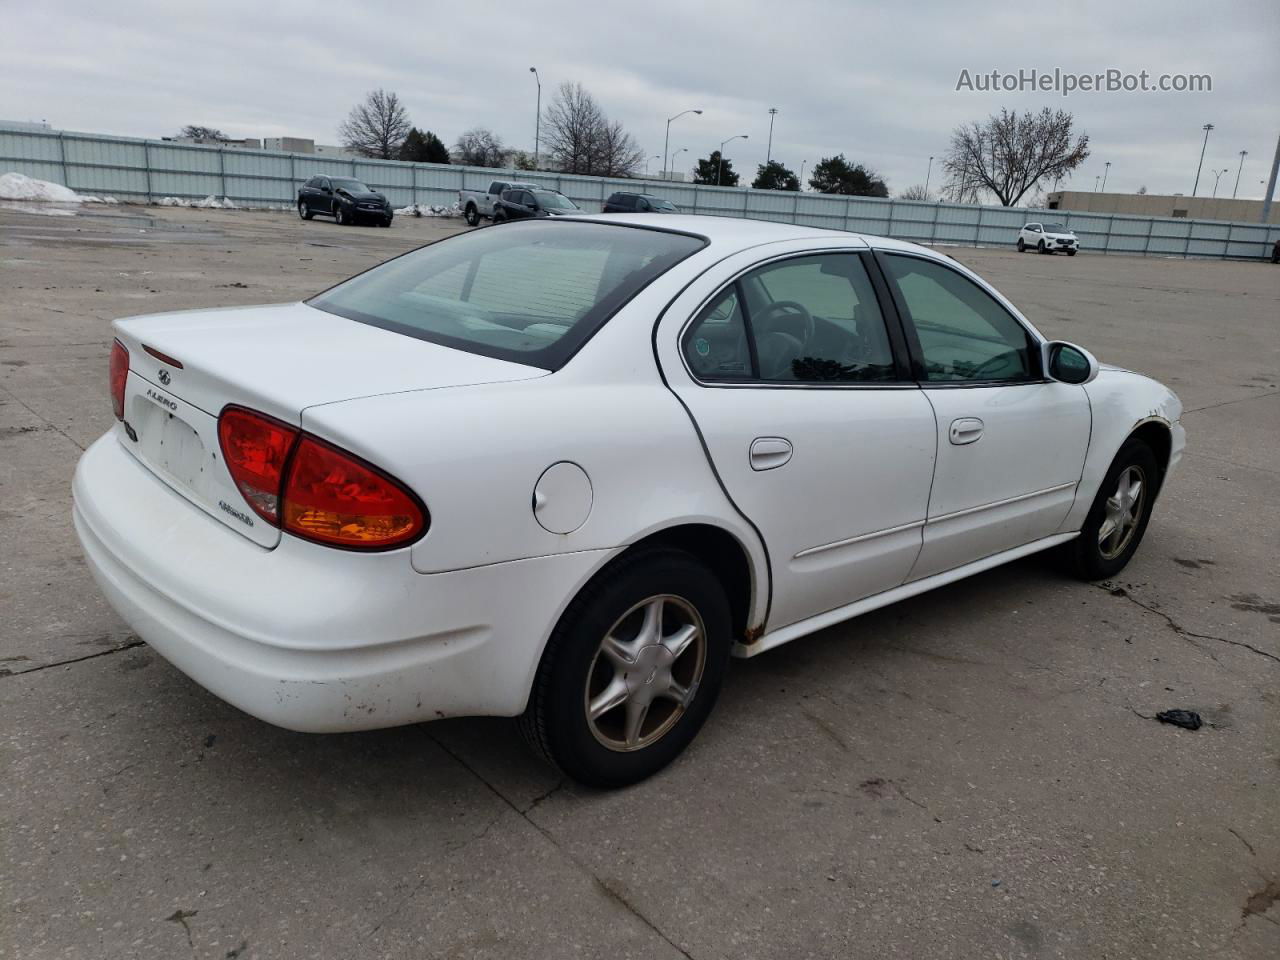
(972, 773)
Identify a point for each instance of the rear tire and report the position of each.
(472, 215)
(610, 714)
(1022, 247)
(1119, 515)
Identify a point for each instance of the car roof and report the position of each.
(741, 232)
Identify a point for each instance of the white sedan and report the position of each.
(1048, 238)
(563, 470)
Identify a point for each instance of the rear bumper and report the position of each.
(306, 637)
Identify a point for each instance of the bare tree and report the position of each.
(581, 139)
(377, 126)
(618, 155)
(195, 131)
(916, 192)
(1009, 154)
(479, 147)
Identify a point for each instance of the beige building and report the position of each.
(1153, 205)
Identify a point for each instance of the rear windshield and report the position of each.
(532, 292)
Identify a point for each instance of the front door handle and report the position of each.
(965, 430)
(768, 453)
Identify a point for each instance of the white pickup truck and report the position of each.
(477, 205)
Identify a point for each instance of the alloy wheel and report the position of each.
(645, 673)
(1123, 510)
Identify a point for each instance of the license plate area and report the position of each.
(178, 443)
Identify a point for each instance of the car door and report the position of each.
(1011, 442)
(799, 388)
(324, 199)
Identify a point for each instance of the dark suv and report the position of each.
(638, 203)
(521, 202)
(345, 199)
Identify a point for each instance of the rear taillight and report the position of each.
(314, 489)
(332, 497)
(256, 449)
(118, 374)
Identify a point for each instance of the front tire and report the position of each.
(1040, 247)
(1119, 515)
(341, 216)
(499, 215)
(1071, 253)
(632, 670)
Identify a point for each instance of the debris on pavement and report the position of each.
(1187, 719)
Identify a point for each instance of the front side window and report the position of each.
(811, 319)
(531, 293)
(965, 336)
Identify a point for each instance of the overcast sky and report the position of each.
(876, 81)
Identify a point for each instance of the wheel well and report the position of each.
(723, 555)
(1156, 436)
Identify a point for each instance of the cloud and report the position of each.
(874, 81)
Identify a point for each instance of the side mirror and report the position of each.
(1067, 363)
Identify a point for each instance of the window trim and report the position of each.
(904, 377)
(1035, 340)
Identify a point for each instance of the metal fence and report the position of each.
(148, 170)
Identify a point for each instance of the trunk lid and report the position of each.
(277, 360)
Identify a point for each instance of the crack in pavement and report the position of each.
(1227, 403)
(600, 884)
(1190, 636)
(43, 419)
(129, 645)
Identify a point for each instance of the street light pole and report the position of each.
(1239, 169)
(666, 143)
(802, 166)
(537, 119)
(1206, 128)
(927, 175)
(646, 162)
(1095, 183)
(1217, 176)
(1105, 170)
(768, 154)
(720, 162)
(671, 161)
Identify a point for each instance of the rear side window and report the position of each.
(812, 319)
(532, 292)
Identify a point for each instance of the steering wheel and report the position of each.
(785, 313)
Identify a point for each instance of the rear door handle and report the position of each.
(768, 453)
(965, 430)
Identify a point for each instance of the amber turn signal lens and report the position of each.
(332, 497)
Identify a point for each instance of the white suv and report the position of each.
(1048, 238)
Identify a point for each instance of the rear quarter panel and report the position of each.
(475, 454)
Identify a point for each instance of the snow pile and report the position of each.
(90, 199)
(14, 186)
(424, 210)
(208, 203)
